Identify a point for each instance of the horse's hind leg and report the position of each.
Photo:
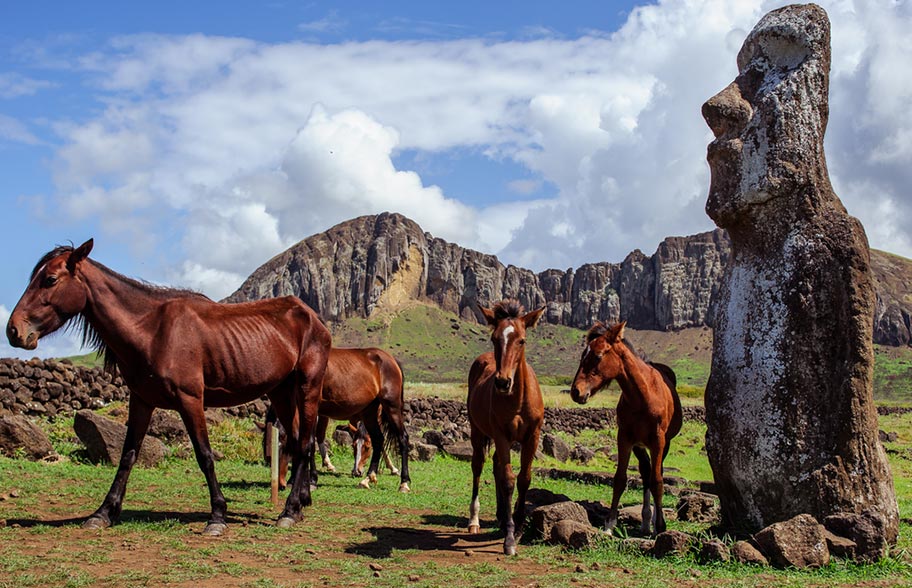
(646, 475)
(657, 485)
(371, 419)
(322, 423)
(137, 425)
(479, 445)
(396, 425)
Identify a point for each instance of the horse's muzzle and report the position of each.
(23, 338)
(578, 396)
(502, 385)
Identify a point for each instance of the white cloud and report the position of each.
(15, 131)
(243, 148)
(14, 85)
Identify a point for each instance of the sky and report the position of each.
(196, 140)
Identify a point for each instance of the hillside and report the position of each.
(354, 268)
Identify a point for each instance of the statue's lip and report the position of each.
(724, 146)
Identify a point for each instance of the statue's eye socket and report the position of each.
(49, 281)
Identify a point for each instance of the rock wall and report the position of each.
(345, 272)
(46, 388)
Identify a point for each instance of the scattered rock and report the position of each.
(104, 439)
(638, 544)
(555, 447)
(20, 435)
(697, 507)
(536, 497)
(745, 553)
(572, 533)
(544, 517)
(798, 542)
(581, 454)
(713, 551)
(671, 543)
(167, 426)
(422, 451)
(866, 530)
(840, 546)
(885, 437)
(436, 438)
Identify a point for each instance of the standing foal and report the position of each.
(505, 406)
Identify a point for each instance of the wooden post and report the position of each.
(273, 435)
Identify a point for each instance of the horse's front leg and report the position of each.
(107, 514)
(479, 445)
(504, 481)
(191, 412)
(619, 483)
(527, 454)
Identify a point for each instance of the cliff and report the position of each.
(377, 261)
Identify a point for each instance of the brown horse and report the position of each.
(179, 350)
(648, 412)
(366, 385)
(505, 406)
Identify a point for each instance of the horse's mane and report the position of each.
(599, 329)
(79, 324)
(509, 308)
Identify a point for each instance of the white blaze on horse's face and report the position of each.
(505, 335)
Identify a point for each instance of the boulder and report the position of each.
(798, 543)
(572, 533)
(713, 551)
(422, 451)
(543, 518)
(790, 414)
(671, 543)
(840, 546)
(554, 446)
(865, 530)
(697, 507)
(167, 426)
(104, 439)
(745, 553)
(461, 450)
(436, 438)
(18, 435)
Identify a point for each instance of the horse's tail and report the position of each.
(389, 428)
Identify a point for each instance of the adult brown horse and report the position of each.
(366, 385)
(179, 350)
(505, 407)
(648, 412)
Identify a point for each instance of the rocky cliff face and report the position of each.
(346, 271)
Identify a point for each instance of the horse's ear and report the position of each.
(531, 319)
(488, 314)
(79, 254)
(617, 332)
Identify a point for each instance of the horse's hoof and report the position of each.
(509, 549)
(474, 529)
(372, 478)
(394, 472)
(96, 523)
(404, 488)
(215, 529)
(365, 483)
(285, 523)
(331, 469)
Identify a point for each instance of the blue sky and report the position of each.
(194, 141)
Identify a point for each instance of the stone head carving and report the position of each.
(770, 121)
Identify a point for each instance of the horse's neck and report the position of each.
(113, 307)
(634, 381)
(520, 382)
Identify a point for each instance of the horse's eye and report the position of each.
(49, 281)
(522, 341)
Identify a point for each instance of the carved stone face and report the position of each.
(769, 122)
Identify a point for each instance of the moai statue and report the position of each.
(791, 421)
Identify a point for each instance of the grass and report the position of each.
(417, 539)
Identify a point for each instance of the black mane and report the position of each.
(509, 308)
(78, 323)
(599, 329)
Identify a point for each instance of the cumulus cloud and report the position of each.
(15, 131)
(14, 85)
(242, 148)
